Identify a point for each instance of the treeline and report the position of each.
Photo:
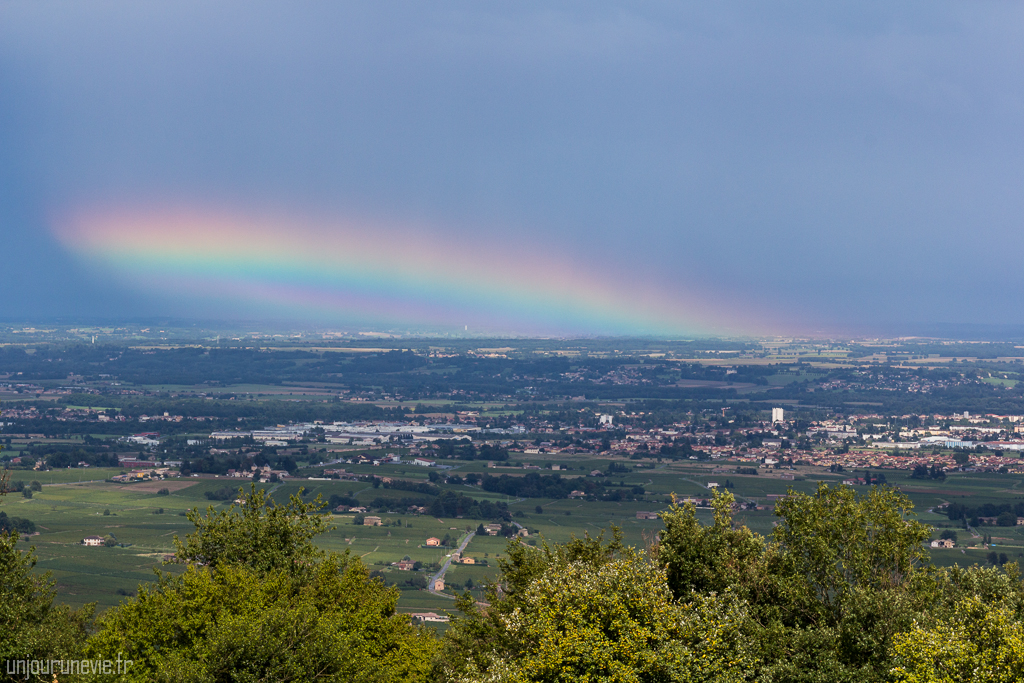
(534, 485)
(1006, 514)
(463, 450)
(450, 504)
(222, 462)
(975, 398)
(922, 472)
(16, 525)
(261, 412)
(440, 503)
(68, 455)
(414, 486)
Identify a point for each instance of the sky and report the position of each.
(655, 168)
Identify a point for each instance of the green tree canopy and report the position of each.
(828, 590)
(259, 602)
(257, 534)
(590, 611)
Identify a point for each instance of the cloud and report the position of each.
(820, 166)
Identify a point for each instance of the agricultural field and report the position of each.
(74, 503)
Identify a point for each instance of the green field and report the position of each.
(75, 503)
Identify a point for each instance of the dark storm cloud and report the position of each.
(845, 167)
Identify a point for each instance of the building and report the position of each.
(492, 529)
(371, 520)
(778, 415)
(467, 560)
(224, 436)
(437, 584)
(423, 462)
(405, 565)
(605, 419)
(646, 515)
(433, 542)
(943, 543)
(93, 540)
(425, 617)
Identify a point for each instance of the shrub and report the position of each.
(223, 493)
(18, 524)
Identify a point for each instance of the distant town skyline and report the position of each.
(671, 169)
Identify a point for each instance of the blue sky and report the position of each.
(825, 167)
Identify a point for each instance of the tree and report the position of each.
(840, 544)
(848, 577)
(977, 642)
(16, 525)
(837, 579)
(592, 611)
(257, 534)
(702, 559)
(259, 601)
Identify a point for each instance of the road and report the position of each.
(447, 562)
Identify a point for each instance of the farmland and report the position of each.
(144, 522)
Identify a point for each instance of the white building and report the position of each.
(223, 436)
(92, 540)
(778, 415)
(606, 419)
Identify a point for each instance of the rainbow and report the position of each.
(366, 273)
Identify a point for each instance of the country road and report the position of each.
(447, 562)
